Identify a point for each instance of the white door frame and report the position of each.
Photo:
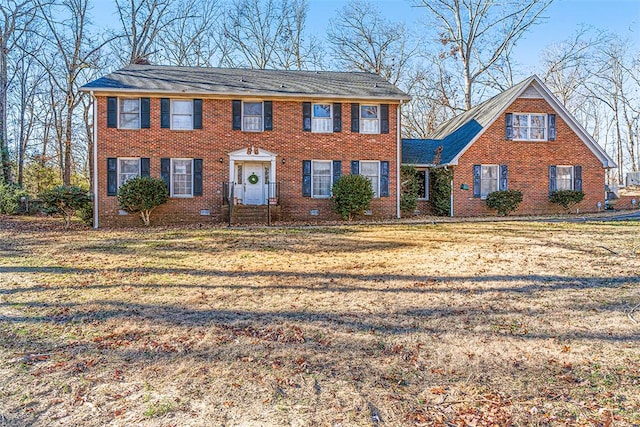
(252, 154)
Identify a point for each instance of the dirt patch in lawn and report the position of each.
(512, 323)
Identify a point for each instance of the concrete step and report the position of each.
(244, 214)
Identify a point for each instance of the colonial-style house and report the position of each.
(255, 141)
(522, 139)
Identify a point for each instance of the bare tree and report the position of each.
(73, 52)
(480, 32)
(16, 17)
(142, 22)
(258, 32)
(299, 50)
(362, 40)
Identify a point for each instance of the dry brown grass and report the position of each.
(515, 323)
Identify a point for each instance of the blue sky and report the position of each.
(563, 19)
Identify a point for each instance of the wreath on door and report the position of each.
(253, 178)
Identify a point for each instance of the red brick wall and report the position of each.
(528, 165)
(216, 139)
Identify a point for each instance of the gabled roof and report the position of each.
(246, 82)
(459, 133)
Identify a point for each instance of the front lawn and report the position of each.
(507, 323)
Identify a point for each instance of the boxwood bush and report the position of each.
(64, 201)
(505, 201)
(352, 195)
(141, 195)
(566, 198)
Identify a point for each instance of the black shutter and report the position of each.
(306, 117)
(552, 127)
(337, 170)
(112, 176)
(145, 166)
(384, 118)
(197, 177)
(508, 125)
(477, 172)
(355, 167)
(504, 177)
(145, 113)
(384, 179)
(268, 115)
(552, 179)
(355, 118)
(306, 178)
(165, 113)
(236, 114)
(197, 113)
(165, 171)
(577, 178)
(112, 112)
(337, 117)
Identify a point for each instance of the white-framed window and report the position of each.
(423, 184)
(128, 167)
(322, 118)
(564, 177)
(529, 127)
(489, 179)
(129, 113)
(182, 114)
(321, 176)
(181, 177)
(252, 116)
(371, 171)
(369, 118)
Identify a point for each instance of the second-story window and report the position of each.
(322, 118)
(529, 127)
(369, 119)
(182, 114)
(129, 109)
(252, 116)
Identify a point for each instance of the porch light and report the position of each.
(283, 161)
(464, 186)
(221, 160)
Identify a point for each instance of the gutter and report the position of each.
(95, 160)
(398, 158)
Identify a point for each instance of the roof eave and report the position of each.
(98, 91)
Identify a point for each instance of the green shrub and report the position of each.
(352, 195)
(566, 198)
(504, 202)
(409, 187)
(142, 195)
(86, 214)
(440, 191)
(64, 201)
(10, 199)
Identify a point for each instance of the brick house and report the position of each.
(256, 140)
(522, 139)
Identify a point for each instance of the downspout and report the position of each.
(95, 160)
(451, 202)
(398, 158)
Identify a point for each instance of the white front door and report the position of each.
(253, 184)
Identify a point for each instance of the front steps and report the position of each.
(248, 214)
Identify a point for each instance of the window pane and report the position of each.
(129, 121)
(181, 177)
(321, 176)
(181, 122)
(370, 171)
(129, 105)
(182, 107)
(422, 184)
(252, 123)
(322, 125)
(253, 108)
(563, 178)
(129, 113)
(369, 126)
(369, 111)
(322, 110)
(127, 169)
(488, 180)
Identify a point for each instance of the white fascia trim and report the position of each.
(398, 159)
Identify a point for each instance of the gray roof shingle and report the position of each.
(247, 82)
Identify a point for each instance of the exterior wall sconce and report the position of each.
(221, 160)
(633, 203)
(464, 186)
(599, 205)
(284, 161)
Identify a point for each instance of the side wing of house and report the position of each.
(535, 146)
